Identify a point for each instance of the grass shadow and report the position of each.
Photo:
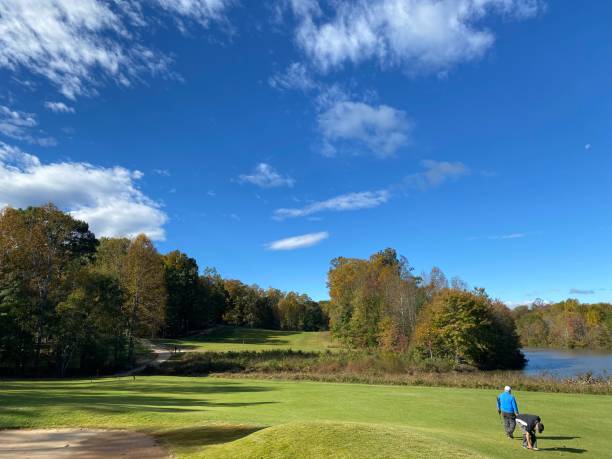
(193, 438)
(125, 396)
(563, 449)
(557, 438)
(239, 335)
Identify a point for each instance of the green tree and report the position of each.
(184, 307)
(40, 249)
(87, 321)
(144, 286)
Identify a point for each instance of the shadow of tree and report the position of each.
(124, 396)
(233, 335)
(246, 336)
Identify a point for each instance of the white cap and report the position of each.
(507, 389)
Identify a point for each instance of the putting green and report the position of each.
(213, 417)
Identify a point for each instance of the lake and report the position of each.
(567, 362)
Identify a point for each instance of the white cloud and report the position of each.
(107, 198)
(298, 242)
(202, 11)
(419, 35)
(352, 126)
(513, 304)
(294, 77)
(22, 126)
(349, 201)
(587, 146)
(435, 174)
(77, 45)
(266, 176)
(59, 107)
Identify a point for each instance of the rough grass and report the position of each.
(224, 339)
(212, 417)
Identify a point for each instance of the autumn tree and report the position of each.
(566, 324)
(145, 292)
(468, 327)
(373, 302)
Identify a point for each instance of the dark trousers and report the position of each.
(534, 439)
(509, 423)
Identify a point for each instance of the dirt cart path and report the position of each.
(161, 355)
(78, 443)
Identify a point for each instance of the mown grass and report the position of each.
(224, 339)
(214, 417)
(353, 367)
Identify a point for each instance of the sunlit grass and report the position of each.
(252, 339)
(213, 417)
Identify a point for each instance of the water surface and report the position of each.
(565, 363)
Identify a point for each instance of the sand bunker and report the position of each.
(78, 443)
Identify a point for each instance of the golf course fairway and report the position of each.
(223, 339)
(214, 417)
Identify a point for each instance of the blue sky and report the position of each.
(266, 138)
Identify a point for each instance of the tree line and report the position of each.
(567, 324)
(378, 303)
(70, 303)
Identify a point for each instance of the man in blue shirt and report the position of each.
(506, 406)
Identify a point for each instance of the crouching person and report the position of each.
(530, 423)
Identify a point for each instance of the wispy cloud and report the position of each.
(298, 242)
(265, 176)
(578, 291)
(500, 236)
(296, 76)
(107, 198)
(417, 35)
(77, 45)
(357, 127)
(203, 11)
(435, 174)
(509, 236)
(162, 172)
(22, 126)
(345, 202)
(59, 107)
